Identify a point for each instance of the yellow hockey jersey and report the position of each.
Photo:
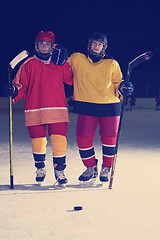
(95, 85)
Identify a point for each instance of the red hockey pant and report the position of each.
(86, 129)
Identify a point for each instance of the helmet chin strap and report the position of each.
(42, 56)
(95, 56)
(99, 37)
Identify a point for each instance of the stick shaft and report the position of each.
(115, 156)
(141, 58)
(10, 132)
(11, 142)
(11, 66)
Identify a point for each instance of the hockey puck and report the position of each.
(78, 208)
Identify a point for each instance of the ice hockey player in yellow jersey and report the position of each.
(97, 82)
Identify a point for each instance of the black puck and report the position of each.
(78, 208)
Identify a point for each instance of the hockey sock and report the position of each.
(39, 151)
(59, 144)
(39, 160)
(86, 150)
(108, 150)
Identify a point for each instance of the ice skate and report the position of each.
(89, 175)
(60, 178)
(104, 174)
(40, 175)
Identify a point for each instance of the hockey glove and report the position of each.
(126, 88)
(59, 55)
(13, 91)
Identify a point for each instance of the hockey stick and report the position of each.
(141, 58)
(11, 66)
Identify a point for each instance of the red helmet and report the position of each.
(45, 36)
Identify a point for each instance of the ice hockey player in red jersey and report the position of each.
(97, 80)
(41, 83)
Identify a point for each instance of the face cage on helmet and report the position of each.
(94, 53)
(43, 56)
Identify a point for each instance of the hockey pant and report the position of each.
(86, 128)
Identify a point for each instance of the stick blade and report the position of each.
(148, 55)
(19, 58)
(11, 182)
(111, 180)
(141, 58)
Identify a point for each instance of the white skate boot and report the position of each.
(104, 174)
(40, 175)
(60, 177)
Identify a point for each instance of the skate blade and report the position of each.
(62, 185)
(40, 184)
(57, 184)
(104, 184)
(88, 183)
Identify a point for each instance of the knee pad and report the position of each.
(59, 145)
(84, 142)
(108, 141)
(39, 145)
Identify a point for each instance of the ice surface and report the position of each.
(130, 211)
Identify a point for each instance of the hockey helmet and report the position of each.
(100, 37)
(47, 37)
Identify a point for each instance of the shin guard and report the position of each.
(39, 151)
(59, 145)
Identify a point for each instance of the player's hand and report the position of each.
(13, 91)
(59, 55)
(126, 88)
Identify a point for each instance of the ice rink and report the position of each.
(130, 211)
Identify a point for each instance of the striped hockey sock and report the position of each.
(86, 151)
(108, 151)
(39, 160)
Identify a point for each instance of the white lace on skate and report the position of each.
(104, 174)
(60, 177)
(59, 174)
(40, 174)
(88, 172)
(105, 171)
(88, 175)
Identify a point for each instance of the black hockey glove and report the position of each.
(13, 91)
(126, 88)
(59, 55)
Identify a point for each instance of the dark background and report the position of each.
(132, 28)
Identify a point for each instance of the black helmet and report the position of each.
(100, 37)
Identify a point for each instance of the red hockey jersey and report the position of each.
(41, 85)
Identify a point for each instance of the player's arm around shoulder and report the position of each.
(67, 73)
(74, 57)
